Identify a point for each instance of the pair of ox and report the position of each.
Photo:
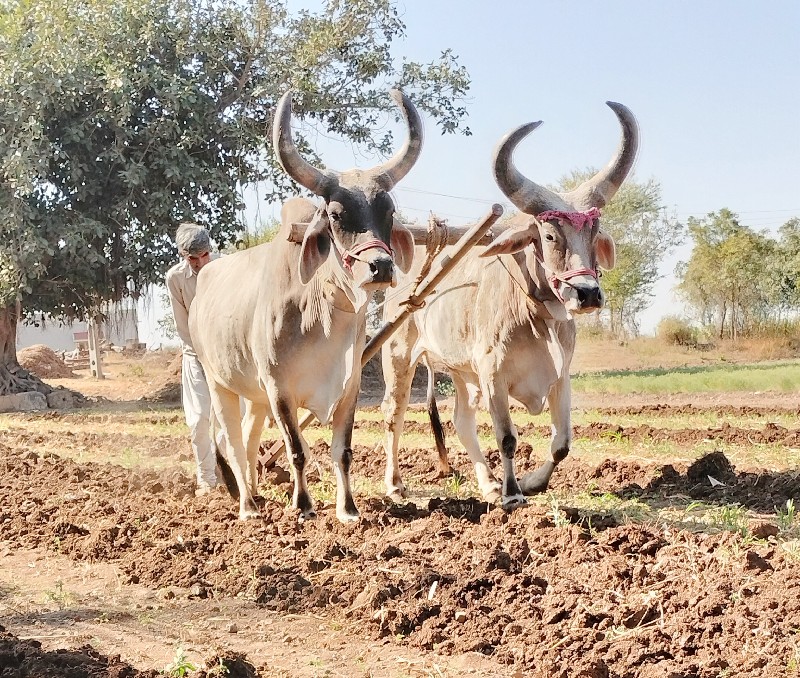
(283, 325)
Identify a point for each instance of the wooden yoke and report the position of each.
(468, 238)
(420, 233)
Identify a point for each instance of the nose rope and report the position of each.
(351, 255)
(556, 279)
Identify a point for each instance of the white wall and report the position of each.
(121, 328)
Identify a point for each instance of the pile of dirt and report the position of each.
(22, 658)
(168, 388)
(44, 362)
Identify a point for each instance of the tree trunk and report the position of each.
(13, 378)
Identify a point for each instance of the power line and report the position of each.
(681, 214)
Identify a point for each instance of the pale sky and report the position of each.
(715, 86)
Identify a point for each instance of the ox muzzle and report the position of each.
(380, 268)
(578, 289)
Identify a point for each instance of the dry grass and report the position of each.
(599, 354)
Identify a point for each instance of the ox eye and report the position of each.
(549, 237)
(336, 216)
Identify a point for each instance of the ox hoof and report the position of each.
(511, 503)
(348, 518)
(492, 496)
(399, 496)
(306, 515)
(249, 514)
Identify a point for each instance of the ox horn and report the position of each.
(526, 195)
(302, 171)
(393, 170)
(598, 190)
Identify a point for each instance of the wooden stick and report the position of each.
(443, 266)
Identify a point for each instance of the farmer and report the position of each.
(194, 248)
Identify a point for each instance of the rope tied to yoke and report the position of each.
(435, 241)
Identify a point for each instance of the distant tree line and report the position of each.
(739, 281)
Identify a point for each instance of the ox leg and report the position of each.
(226, 404)
(506, 434)
(398, 373)
(467, 431)
(342, 455)
(255, 414)
(298, 452)
(559, 401)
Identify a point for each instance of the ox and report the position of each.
(502, 325)
(283, 325)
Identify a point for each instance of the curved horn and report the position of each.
(598, 190)
(527, 196)
(394, 169)
(302, 171)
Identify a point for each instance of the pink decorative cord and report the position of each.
(577, 219)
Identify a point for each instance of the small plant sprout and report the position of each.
(63, 599)
(732, 519)
(454, 484)
(786, 517)
(559, 517)
(180, 665)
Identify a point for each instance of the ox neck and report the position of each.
(346, 297)
(535, 292)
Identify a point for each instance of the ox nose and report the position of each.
(382, 270)
(589, 296)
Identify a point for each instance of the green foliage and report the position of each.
(266, 232)
(445, 387)
(739, 280)
(644, 233)
(120, 120)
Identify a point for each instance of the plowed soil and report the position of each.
(437, 586)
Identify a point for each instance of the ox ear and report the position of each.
(402, 244)
(316, 246)
(605, 250)
(509, 242)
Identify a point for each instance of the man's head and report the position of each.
(194, 245)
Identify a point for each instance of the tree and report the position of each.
(644, 234)
(729, 278)
(120, 120)
(788, 268)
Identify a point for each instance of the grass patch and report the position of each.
(782, 376)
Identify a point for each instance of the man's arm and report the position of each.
(179, 312)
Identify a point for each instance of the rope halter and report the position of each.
(351, 255)
(578, 220)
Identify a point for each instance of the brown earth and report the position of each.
(457, 579)
(105, 571)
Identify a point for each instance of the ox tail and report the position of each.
(436, 424)
(224, 469)
(226, 472)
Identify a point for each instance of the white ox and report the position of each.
(502, 323)
(283, 324)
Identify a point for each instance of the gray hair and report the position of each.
(192, 239)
